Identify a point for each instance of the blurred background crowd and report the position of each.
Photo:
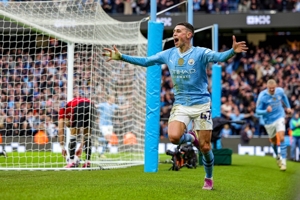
(33, 88)
(129, 7)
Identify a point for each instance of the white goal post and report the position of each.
(51, 49)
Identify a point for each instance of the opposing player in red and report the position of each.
(79, 116)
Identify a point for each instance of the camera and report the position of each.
(184, 156)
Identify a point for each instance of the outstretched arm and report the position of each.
(225, 114)
(237, 47)
(248, 115)
(114, 54)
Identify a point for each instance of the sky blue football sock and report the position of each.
(283, 150)
(208, 163)
(185, 138)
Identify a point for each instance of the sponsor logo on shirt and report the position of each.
(184, 73)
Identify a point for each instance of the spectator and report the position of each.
(297, 6)
(107, 6)
(162, 5)
(226, 107)
(196, 5)
(236, 116)
(210, 8)
(218, 6)
(119, 6)
(246, 134)
(267, 69)
(290, 5)
(30, 124)
(144, 6)
(10, 128)
(244, 6)
(279, 5)
(295, 127)
(226, 131)
(50, 127)
(203, 6)
(254, 6)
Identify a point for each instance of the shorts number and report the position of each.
(206, 115)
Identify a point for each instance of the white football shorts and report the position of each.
(106, 130)
(201, 114)
(277, 126)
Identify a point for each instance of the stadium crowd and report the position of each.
(34, 87)
(129, 7)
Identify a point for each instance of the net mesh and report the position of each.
(34, 76)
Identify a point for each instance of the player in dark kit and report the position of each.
(78, 115)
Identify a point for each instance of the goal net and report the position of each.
(50, 50)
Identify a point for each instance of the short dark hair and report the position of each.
(187, 25)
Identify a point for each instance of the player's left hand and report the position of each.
(239, 47)
(289, 111)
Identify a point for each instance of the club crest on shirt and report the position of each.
(191, 61)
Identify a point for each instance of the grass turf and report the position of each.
(249, 177)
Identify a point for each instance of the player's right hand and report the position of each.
(113, 54)
(269, 109)
(289, 111)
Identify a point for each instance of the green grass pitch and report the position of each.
(249, 177)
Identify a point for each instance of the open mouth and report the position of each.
(176, 41)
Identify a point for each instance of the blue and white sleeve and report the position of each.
(259, 106)
(285, 99)
(213, 56)
(143, 61)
